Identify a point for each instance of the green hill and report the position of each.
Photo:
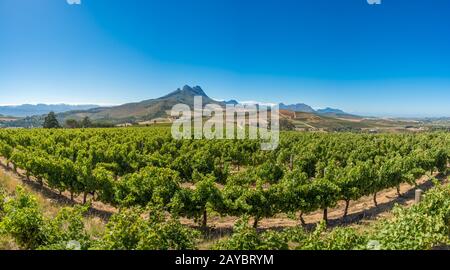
(142, 111)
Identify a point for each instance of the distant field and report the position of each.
(312, 121)
(7, 119)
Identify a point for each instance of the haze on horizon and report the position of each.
(383, 60)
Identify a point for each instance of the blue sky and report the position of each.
(391, 59)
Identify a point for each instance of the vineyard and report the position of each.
(154, 180)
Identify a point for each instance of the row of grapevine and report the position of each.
(141, 166)
(23, 220)
(422, 226)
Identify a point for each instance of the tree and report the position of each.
(72, 123)
(285, 124)
(86, 122)
(50, 121)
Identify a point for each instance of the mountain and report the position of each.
(299, 107)
(338, 113)
(330, 110)
(232, 102)
(39, 109)
(139, 112)
(142, 111)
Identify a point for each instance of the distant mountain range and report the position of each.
(332, 111)
(39, 109)
(144, 111)
(299, 107)
(151, 109)
(232, 102)
(301, 116)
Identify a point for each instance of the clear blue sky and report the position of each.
(388, 59)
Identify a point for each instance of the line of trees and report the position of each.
(51, 122)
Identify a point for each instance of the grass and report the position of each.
(94, 225)
(7, 243)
